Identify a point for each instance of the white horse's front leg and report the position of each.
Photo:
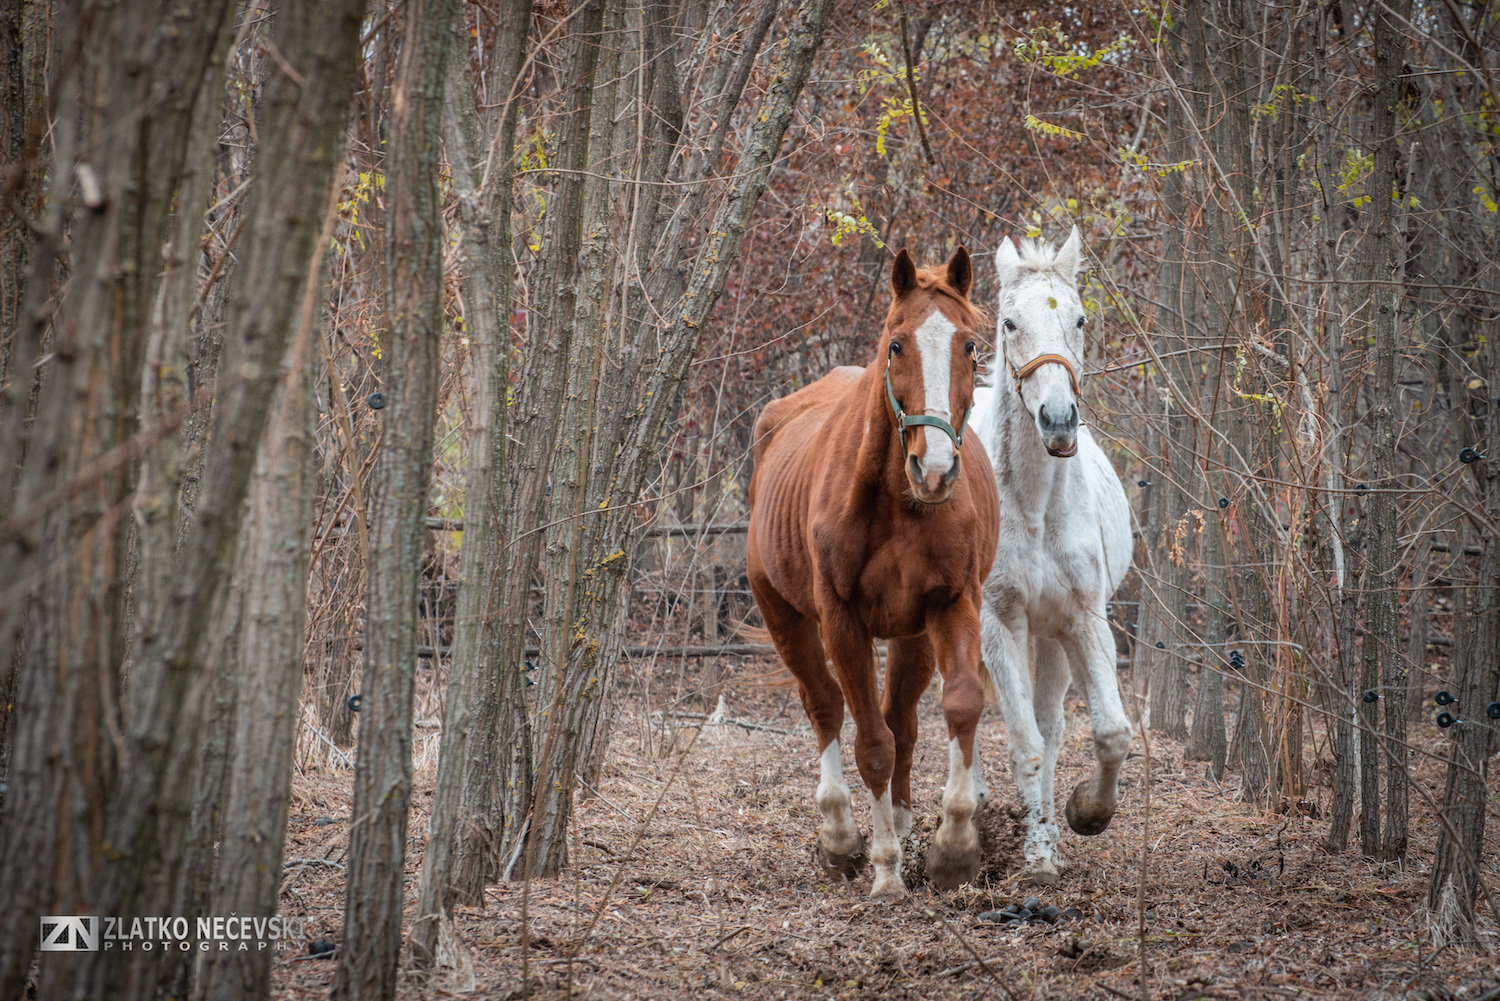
(1006, 655)
(1052, 677)
(1092, 648)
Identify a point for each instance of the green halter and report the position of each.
(903, 421)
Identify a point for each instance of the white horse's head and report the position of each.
(1040, 334)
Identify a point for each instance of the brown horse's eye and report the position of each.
(895, 347)
(969, 348)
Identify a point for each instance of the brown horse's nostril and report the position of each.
(952, 474)
(914, 468)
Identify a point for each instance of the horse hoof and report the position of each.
(1041, 874)
(951, 862)
(1084, 817)
(846, 864)
(887, 887)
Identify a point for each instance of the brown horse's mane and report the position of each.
(935, 279)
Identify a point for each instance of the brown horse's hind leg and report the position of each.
(908, 671)
(841, 848)
(954, 856)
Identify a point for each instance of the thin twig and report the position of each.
(980, 961)
(911, 86)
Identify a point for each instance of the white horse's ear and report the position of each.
(1007, 261)
(1070, 257)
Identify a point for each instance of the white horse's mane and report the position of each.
(1038, 255)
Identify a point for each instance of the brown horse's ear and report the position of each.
(961, 272)
(903, 274)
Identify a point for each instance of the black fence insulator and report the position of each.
(1467, 455)
(376, 401)
(1444, 699)
(1445, 720)
(353, 702)
(1143, 483)
(1372, 696)
(1223, 502)
(1160, 645)
(1360, 488)
(1236, 660)
(1492, 710)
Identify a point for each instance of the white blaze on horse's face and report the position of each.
(935, 344)
(929, 370)
(1041, 315)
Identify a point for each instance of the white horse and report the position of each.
(1064, 547)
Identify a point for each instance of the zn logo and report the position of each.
(70, 934)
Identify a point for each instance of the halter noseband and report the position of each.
(903, 421)
(1017, 374)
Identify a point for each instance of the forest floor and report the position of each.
(697, 856)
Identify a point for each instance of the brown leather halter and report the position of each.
(1017, 374)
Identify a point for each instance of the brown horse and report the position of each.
(861, 527)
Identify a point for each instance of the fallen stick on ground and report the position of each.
(747, 724)
(954, 971)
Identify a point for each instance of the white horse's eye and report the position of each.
(1009, 324)
(1080, 323)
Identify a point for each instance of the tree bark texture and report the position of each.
(119, 144)
(374, 891)
(632, 419)
(500, 797)
(484, 217)
(1388, 259)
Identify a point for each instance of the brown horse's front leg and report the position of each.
(954, 856)
(908, 671)
(849, 647)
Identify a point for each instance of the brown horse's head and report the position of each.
(930, 361)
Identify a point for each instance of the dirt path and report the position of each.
(722, 899)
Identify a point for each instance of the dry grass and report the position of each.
(723, 899)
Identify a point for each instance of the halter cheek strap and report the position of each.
(904, 420)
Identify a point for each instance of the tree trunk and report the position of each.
(1209, 739)
(1383, 627)
(484, 217)
(500, 795)
(374, 893)
(1455, 873)
(273, 571)
(631, 422)
(65, 508)
(496, 767)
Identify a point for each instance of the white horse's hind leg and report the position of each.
(1006, 654)
(1052, 677)
(1092, 805)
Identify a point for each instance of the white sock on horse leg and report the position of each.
(839, 835)
(885, 848)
